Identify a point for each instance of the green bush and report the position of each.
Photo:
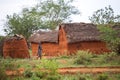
(40, 74)
(83, 57)
(82, 78)
(103, 76)
(18, 78)
(107, 58)
(9, 64)
(35, 78)
(50, 65)
(3, 75)
(28, 73)
(110, 36)
(111, 56)
(53, 77)
(1, 45)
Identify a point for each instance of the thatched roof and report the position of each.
(76, 32)
(40, 36)
(14, 37)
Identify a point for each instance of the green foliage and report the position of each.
(110, 56)
(18, 78)
(106, 19)
(55, 12)
(51, 65)
(103, 76)
(110, 36)
(70, 77)
(53, 77)
(87, 58)
(9, 64)
(47, 14)
(82, 78)
(28, 73)
(1, 38)
(1, 45)
(83, 57)
(40, 74)
(44, 70)
(23, 24)
(3, 75)
(104, 16)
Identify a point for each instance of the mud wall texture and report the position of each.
(15, 48)
(48, 49)
(63, 47)
(34, 47)
(93, 46)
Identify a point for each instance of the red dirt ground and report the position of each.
(74, 70)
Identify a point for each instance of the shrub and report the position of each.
(35, 78)
(108, 58)
(110, 36)
(53, 77)
(17, 78)
(3, 76)
(28, 73)
(9, 64)
(40, 74)
(69, 77)
(103, 76)
(82, 78)
(50, 65)
(1, 45)
(111, 56)
(83, 57)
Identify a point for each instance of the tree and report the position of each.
(56, 12)
(105, 19)
(110, 35)
(48, 14)
(23, 24)
(1, 45)
(104, 16)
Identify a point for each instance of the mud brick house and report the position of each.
(81, 36)
(49, 41)
(68, 39)
(15, 47)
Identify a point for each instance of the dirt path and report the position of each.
(89, 70)
(74, 70)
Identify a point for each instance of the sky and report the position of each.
(86, 7)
